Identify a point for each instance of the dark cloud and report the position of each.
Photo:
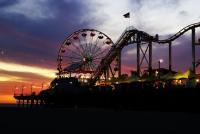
(35, 42)
(5, 3)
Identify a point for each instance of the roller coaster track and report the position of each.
(181, 32)
(132, 33)
(129, 33)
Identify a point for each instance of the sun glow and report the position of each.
(9, 78)
(49, 73)
(7, 99)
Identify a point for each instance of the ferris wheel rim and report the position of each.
(86, 29)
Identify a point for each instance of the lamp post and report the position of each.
(159, 62)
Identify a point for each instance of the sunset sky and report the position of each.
(31, 32)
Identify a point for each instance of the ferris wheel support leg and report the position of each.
(105, 75)
(193, 52)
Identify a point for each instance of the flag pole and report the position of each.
(130, 21)
(127, 15)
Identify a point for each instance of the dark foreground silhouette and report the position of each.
(69, 93)
(95, 120)
(68, 107)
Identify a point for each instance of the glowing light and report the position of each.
(49, 73)
(156, 73)
(85, 80)
(161, 60)
(197, 80)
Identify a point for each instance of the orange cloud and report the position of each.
(7, 99)
(49, 73)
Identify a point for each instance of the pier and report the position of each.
(28, 100)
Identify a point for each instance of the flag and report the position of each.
(127, 15)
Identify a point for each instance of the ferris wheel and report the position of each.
(82, 52)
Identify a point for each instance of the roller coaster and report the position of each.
(134, 36)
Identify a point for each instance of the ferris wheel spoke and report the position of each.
(95, 45)
(77, 54)
(81, 45)
(97, 63)
(71, 57)
(86, 44)
(99, 58)
(100, 53)
(97, 50)
(77, 48)
(69, 62)
(90, 44)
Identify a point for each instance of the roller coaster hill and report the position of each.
(89, 73)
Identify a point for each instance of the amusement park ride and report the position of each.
(91, 51)
(90, 55)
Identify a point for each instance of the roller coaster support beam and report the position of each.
(111, 71)
(193, 51)
(119, 63)
(150, 58)
(170, 56)
(138, 55)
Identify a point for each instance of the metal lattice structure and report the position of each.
(129, 36)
